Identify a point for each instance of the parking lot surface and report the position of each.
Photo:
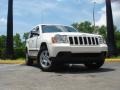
(75, 77)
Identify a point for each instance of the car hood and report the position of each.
(69, 34)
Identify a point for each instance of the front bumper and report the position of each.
(55, 49)
(78, 58)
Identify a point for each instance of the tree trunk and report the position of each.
(112, 51)
(9, 40)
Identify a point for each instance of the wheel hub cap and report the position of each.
(44, 59)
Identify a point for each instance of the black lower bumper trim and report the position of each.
(66, 57)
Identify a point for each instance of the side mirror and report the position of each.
(34, 33)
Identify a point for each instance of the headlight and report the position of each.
(101, 40)
(59, 39)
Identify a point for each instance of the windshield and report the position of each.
(57, 28)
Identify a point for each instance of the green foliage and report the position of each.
(2, 46)
(17, 41)
(84, 27)
(2, 41)
(117, 36)
(102, 31)
(25, 36)
(2, 53)
(87, 27)
(19, 53)
(19, 46)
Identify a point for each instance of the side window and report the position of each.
(34, 32)
(37, 29)
(31, 35)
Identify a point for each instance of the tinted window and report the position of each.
(34, 31)
(47, 29)
(57, 28)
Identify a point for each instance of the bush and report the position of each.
(118, 51)
(19, 53)
(2, 53)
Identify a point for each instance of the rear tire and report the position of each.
(97, 64)
(28, 60)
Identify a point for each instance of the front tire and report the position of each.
(44, 61)
(97, 64)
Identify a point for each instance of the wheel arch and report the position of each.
(43, 45)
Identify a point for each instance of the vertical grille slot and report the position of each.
(71, 40)
(80, 40)
(93, 40)
(97, 41)
(76, 40)
(85, 40)
(89, 41)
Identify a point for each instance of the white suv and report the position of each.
(53, 45)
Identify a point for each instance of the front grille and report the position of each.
(77, 40)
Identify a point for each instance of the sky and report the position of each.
(29, 13)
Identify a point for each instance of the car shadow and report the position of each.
(77, 69)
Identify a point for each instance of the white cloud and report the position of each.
(102, 19)
(116, 15)
(3, 21)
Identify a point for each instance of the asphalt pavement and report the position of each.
(75, 77)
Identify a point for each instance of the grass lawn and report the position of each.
(22, 60)
(17, 61)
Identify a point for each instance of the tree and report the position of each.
(2, 41)
(17, 41)
(76, 25)
(117, 35)
(25, 36)
(87, 27)
(102, 31)
(2, 46)
(84, 27)
(9, 41)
